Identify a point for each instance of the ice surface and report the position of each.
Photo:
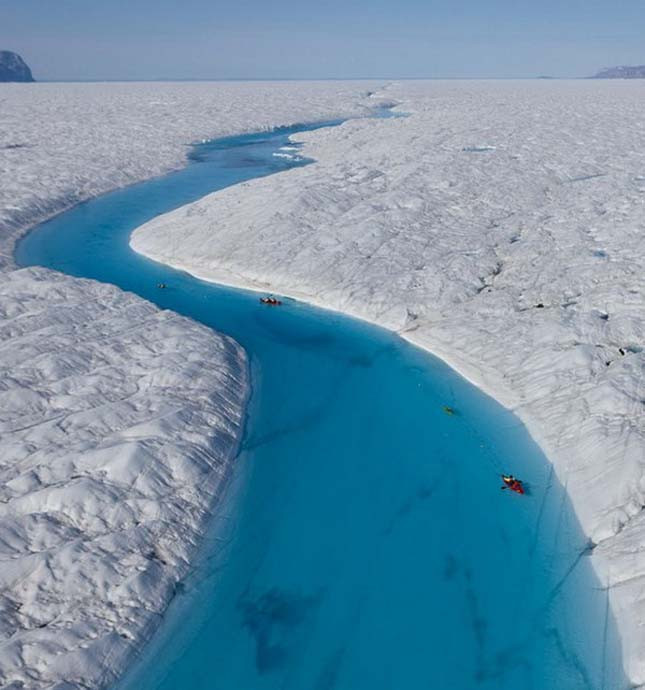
(501, 225)
(63, 143)
(118, 422)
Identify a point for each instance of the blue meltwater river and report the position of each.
(363, 542)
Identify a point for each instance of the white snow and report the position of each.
(501, 226)
(63, 143)
(118, 423)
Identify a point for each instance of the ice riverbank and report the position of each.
(115, 442)
(501, 227)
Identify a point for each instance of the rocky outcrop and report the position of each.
(622, 72)
(13, 67)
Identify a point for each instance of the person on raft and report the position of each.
(510, 482)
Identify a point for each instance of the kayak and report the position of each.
(513, 484)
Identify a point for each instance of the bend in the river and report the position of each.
(364, 542)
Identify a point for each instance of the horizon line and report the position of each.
(90, 80)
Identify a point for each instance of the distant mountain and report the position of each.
(623, 72)
(13, 67)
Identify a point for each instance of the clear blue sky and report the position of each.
(193, 39)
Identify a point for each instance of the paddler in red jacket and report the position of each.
(513, 484)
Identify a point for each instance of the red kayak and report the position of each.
(271, 300)
(513, 484)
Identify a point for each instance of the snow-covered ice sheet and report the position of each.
(63, 143)
(502, 226)
(118, 423)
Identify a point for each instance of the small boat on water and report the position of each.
(510, 482)
(271, 301)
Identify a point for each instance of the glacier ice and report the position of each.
(63, 143)
(114, 441)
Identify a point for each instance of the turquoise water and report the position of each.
(363, 542)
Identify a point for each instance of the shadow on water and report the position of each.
(363, 542)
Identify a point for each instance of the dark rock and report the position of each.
(622, 72)
(13, 67)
